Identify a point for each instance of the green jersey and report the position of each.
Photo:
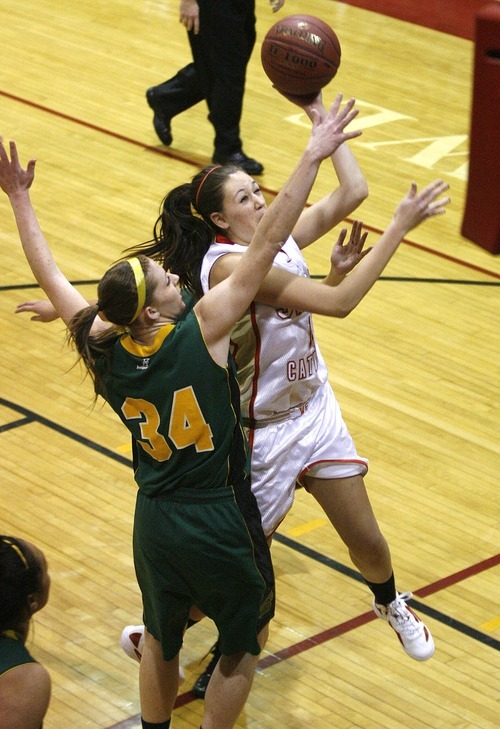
(181, 407)
(13, 652)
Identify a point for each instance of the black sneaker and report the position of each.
(161, 121)
(200, 686)
(251, 166)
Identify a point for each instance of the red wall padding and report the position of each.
(481, 221)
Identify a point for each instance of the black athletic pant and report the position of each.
(221, 52)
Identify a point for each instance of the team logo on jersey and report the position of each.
(144, 364)
(267, 604)
(288, 313)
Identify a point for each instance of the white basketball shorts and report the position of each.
(313, 441)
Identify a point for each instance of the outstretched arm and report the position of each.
(282, 289)
(352, 189)
(414, 209)
(16, 182)
(223, 305)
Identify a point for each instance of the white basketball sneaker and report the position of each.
(414, 636)
(132, 642)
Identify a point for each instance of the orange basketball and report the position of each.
(300, 54)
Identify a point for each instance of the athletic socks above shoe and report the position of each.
(384, 592)
(150, 725)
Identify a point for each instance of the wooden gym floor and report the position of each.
(415, 368)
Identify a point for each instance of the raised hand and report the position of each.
(417, 207)
(345, 256)
(13, 178)
(328, 132)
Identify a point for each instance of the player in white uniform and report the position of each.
(295, 426)
(292, 418)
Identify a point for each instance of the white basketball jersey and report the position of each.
(277, 357)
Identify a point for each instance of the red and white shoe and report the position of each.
(413, 635)
(132, 642)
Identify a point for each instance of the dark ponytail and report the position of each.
(183, 232)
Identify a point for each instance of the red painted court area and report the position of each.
(455, 17)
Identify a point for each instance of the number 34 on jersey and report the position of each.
(187, 426)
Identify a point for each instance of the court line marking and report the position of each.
(394, 279)
(193, 163)
(306, 527)
(325, 635)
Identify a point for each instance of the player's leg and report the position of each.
(333, 474)
(346, 503)
(222, 67)
(229, 687)
(158, 682)
(200, 686)
(172, 97)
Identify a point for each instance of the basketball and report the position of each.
(300, 54)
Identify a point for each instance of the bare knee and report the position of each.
(372, 548)
(228, 664)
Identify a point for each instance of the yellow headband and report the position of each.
(140, 283)
(19, 553)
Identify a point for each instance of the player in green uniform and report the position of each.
(197, 533)
(24, 590)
